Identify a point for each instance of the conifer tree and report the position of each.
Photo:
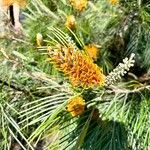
(77, 77)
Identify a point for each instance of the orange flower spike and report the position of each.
(76, 106)
(78, 67)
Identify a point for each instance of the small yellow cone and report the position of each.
(70, 22)
(39, 39)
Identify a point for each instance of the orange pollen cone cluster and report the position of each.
(92, 50)
(79, 5)
(76, 106)
(78, 66)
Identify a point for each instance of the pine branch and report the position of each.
(117, 90)
(24, 90)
